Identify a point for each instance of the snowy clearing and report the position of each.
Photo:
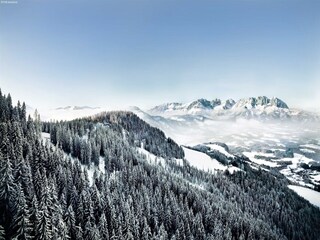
(202, 161)
(45, 136)
(151, 158)
(311, 195)
(297, 159)
(251, 156)
(92, 168)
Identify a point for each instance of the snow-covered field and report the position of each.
(312, 146)
(203, 162)
(308, 194)
(253, 157)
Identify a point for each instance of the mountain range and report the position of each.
(261, 107)
(258, 108)
(218, 104)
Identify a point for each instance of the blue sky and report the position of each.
(119, 53)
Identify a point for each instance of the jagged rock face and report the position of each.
(245, 103)
(228, 104)
(204, 104)
(253, 102)
(260, 108)
(278, 103)
(215, 102)
(262, 100)
(201, 103)
(209, 105)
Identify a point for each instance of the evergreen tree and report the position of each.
(70, 221)
(44, 226)
(103, 227)
(7, 196)
(21, 225)
(146, 233)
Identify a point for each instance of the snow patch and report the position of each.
(306, 150)
(178, 119)
(92, 168)
(233, 169)
(151, 158)
(220, 149)
(179, 161)
(102, 165)
(298, 159)
(312, 146)
(45, 136)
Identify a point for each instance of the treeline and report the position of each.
(46, 194)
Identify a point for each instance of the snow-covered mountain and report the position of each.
(261, 107)
(261, 101)
(217, 104)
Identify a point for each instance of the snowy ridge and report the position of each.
(204, 104)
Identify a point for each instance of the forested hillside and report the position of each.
(45, 192)
(110, 135)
